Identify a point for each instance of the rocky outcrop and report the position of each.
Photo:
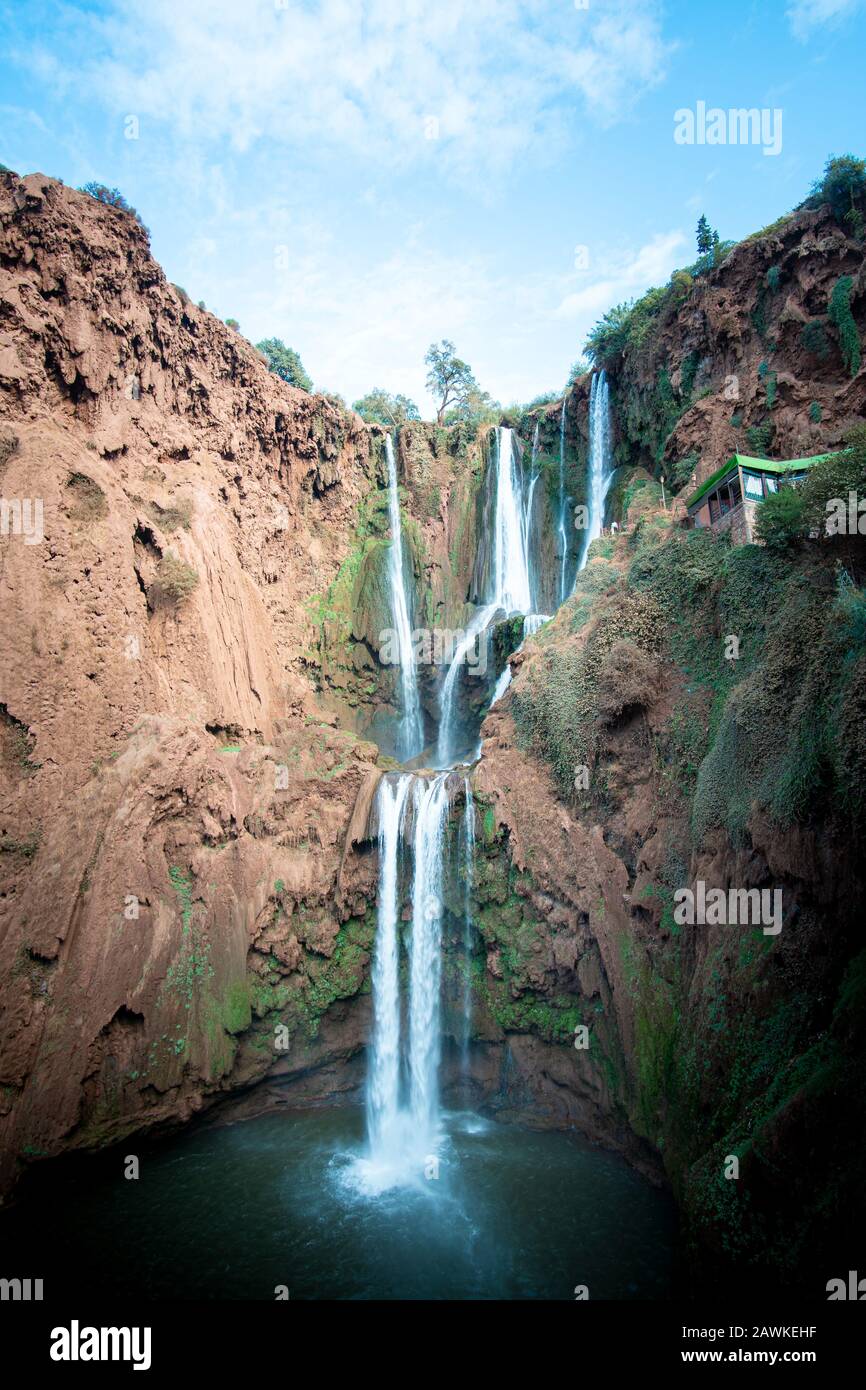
(175, 800)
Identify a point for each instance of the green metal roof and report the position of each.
(761, 465)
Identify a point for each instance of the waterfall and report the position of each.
(402, 1078)
(425, 962)
(600, 471)
(383, 1085)
(563, 500)
(508, 585)
(468, 869)
(410, 738)
(510, 560)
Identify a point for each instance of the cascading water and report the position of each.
(563, 503)
(467, 849)
(383, 1084)
(402, 1081)
(425, 969)
(410, 736)
(600, 471)
(509, 589)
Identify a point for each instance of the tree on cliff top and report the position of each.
(450, 379)
(284, 362)
(380, 407)
(843, 186)
(112, 198)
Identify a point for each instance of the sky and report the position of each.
(363, 177)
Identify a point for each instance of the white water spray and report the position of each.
(383, 1084)
(600, 470)
(410, 738)
(563, 535)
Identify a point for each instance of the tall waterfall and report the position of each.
(402, 1082)
(508, 589)
(425, 958)
(467, 852)
(600, 470)
(563, 502)
(383, 1085)
(410, 737)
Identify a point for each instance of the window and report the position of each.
(753, 486)
(715, 511)
(736, 492)
(772, 485)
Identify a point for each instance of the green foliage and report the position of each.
(233, 323)
(815, 412)
(774, 276)
(706, 237)
(112, 198)
(760, 438)
(449, 378)
(285, 363)
(839, 313)
(779, 522)
(173, 582)
(383, 408)
(834, 478)
(813, 336)
(843, 186)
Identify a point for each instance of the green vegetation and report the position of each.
(381, 407)
(173, 582)
(112, 198)
(839, 313)
(779, 522)
(843, 186)
(813, 336)
(283, 361)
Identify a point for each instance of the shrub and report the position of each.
(835, 477)
(774, 276)
(112, 198)
(173, 582)
(760, 438)
(233, 323)
(813, 337)
(628, 679)
(815, 412)
(285, 363)
(839, 313)
(843, 186)
(780, 520)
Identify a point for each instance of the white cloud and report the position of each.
(625, 276)
(498, 75)
(806, 16)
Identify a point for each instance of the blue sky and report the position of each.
(361, 177)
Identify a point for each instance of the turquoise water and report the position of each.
(231, 1212)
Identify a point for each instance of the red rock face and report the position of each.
(147, 429)
(740, 332)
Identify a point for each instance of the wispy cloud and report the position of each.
(806, 16)
(460, 84)
(624, 276)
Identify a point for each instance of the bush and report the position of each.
(839, 313)
(233, 323)
(780, 520)
(813, 337)
(173, 582)
(285, 363)
(835, 477)
(815, 412)
(628, 679)
(112, 198)
(843, 186)
(760, 438)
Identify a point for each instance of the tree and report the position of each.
(112, 198)
(781, 518)
(285, 363)
(380, 407)
(476, 407)
(449, 378)
(708, 238)
(843, 186)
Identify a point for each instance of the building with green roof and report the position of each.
(726, 501)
